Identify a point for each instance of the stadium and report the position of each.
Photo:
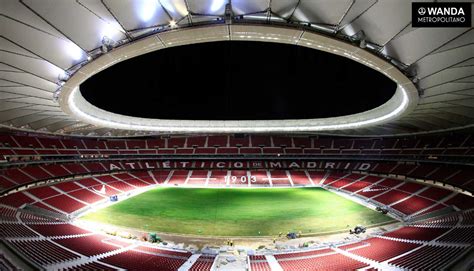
(263, 135)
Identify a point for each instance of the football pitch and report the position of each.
(238, 212)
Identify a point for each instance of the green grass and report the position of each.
(237, 212)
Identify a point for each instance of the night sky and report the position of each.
(238, 81)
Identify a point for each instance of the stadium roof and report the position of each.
(46, 42)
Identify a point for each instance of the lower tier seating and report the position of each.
(93, 266)
(43, 252)
(134, 260)
(334, 261)
(203, 263)
(62, 242)
(428, 258)
(382, 249)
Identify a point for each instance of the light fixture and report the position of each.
(107, 44)
(172, 23)
(74, 51)
(376, 116)
(146, 9)
(372, 46)
(323, 28)
(111, 30)
(64, 76)
(402, 102)
(56, 94)
(216, 5)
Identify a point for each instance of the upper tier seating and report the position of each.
(28, 145)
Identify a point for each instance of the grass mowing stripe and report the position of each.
(237, 212)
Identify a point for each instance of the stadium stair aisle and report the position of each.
(258, 263)
(85, 260)
(408, 197)
(372, 263)
(208, 176)
(274, 265)
(289, 178)
(309, 177)
(189, 263)
(269, 178)
(40, 202)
